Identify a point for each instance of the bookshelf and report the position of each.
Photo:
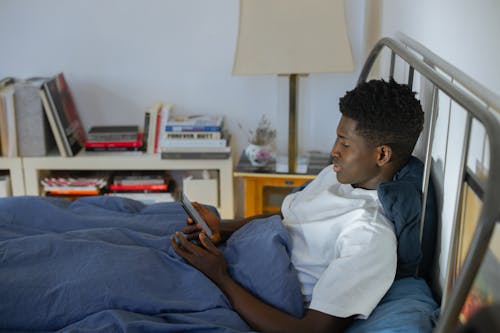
(14, 167)
(35, 168)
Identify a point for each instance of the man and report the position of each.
(344, 248)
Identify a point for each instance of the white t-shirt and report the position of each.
(344, 248)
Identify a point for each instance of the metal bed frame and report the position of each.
(480, 104)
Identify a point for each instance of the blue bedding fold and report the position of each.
(104, 264)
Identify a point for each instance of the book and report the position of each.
(34, 135)
(113, 133)
(140, 179)
(195, 155)
(73, 192)
(136, 143)
(65, 114)
(113, 149)
(208, 145)
(196, 149)
(193, 135)
(4, 129)
(154, 111)
(166, 110)
(145, 137)
(73, 186)
(138, 187)
(195, 143)
(198, 123)
(50, 113)
(8, 119)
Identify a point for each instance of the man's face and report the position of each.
(354, 159)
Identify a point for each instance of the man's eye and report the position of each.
(344, 144)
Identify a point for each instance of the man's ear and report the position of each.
(384, 154)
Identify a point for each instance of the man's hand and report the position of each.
(192, 230)
(206, 258)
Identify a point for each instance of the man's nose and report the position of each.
(335, 152)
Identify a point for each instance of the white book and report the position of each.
(166, 110)
(52, 122)
(34, 135)
(225, 149)
(7, 99)
(196, 123)
(194, 143)
(194, 135)
(154, 111)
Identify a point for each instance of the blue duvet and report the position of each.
(105, 265)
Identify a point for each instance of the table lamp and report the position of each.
(292, 37)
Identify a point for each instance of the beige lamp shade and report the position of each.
(292, 37)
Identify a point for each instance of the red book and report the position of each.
(157, 130)
(116, 144)
(138, 187)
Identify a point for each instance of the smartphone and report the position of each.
(193, 213)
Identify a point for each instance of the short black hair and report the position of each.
(387, 113)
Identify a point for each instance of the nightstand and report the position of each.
(265, 188)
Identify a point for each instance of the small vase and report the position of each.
(258, 156)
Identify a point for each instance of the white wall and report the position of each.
(466, 34)
(121, 56)
(463, 32)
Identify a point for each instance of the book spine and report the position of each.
(60, 119)
(157, 131)
(7, 99)
(138, 187)
(195, 143)
(165, 115)
(73, 192)
(193, 135)
(195, 155)
(112, 137)
(111, 149)
(116, 144)
(145, 137)
(32, 128)
(191, 128)
(153, 110)
(52, 122)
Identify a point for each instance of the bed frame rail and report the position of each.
(480, 104)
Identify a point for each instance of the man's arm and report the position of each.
(221, 230)
(259, 315)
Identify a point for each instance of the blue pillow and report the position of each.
(402, 202)
(407, 307)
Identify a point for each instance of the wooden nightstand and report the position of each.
(265, 189)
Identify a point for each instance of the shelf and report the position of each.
(14, 166)
(36, 167)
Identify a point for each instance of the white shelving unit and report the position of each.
(36, 168)
(14, 166)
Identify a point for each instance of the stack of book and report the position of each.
(145, 187)
(114, 138)
(73, 187)
(38, 114)
(195, 137)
